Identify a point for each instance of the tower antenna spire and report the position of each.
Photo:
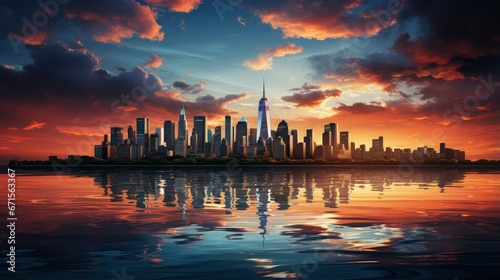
(263, 87)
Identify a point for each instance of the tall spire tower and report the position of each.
(263, 87)
(182, 133)
(264, 123)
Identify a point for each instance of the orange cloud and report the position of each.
(82, 130)
(180, 6)
(264, 61)
(36, 39)
(125, 108)
(111, 25)
(154, 62)
(321, 19)
(35, 125)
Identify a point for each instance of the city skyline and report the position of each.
(282, 143)
(407, 70)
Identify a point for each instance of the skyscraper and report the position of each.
(344, 139)
(143, 134)
(183, 129)
(210, 136)
(252, 137)
(295, 141)
(200, 128)
(227, 135)
(131, 134)
(154, 141)
(193, 143)
(264, 123)
(217, 140)
(282, 132)
(327, 146)
(169, 131)
(161, 136)
(279, 147)
(327, 139)
(333, 128)
(378, 148)
(241, 131)
(308, 141)
(116, 136)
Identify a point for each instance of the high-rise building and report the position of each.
(169, 134)
(344, 139)
(389, 154)
(279, 147)
(319, 152)
(378, 149)
(333, 128)
(210, 136)
(252, 137)
(200, 128)
(161, 136)
(181, 147)
(183, 129)
(124, 152)
(264, 122)
(262, 148)
(308, 141)
(282, 132)
(442, 149)
(116, 136)
(217, 140)
(300, 152)
(143, 134)
(241, 131)
(327, 144)
(243, 147)
(131, 134)
(295, 141)
(227, 135)
(327, 139)
(193, 143)
(154, 141)
(223, 147)
(209, 149)
(105, 144)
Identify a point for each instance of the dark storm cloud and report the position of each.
(384, 69)
(310, 95)
(360, 108)
(69, 77)
(69, 71)
(34, 23)
(452, 32)
(187, 88)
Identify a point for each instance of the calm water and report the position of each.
(256, 222)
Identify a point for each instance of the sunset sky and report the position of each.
(416, 72)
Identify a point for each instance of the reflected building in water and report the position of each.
(256, 188)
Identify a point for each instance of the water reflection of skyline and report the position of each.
(177, 188)
(267, 221)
